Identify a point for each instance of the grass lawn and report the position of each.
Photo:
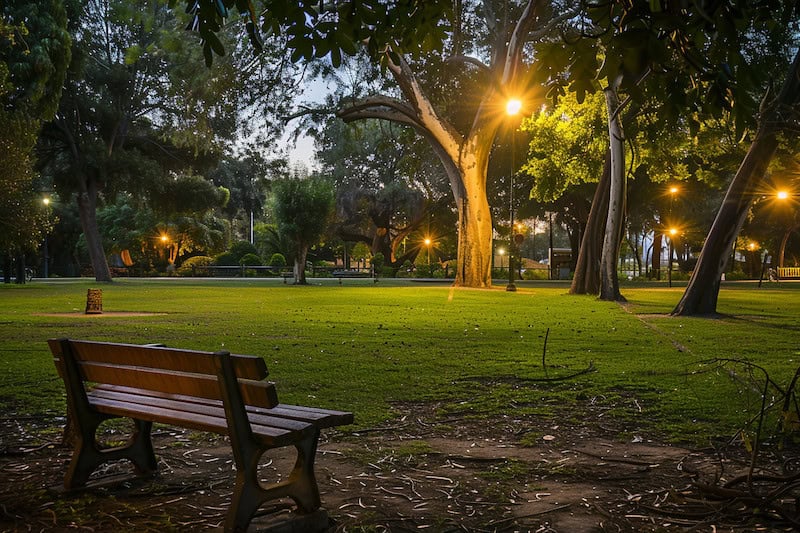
(476, 353)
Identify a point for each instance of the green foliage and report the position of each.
(189, 266)
(251, 260)
(241, 248)
(277, 260)
(317, 30)
(35, 50)
(226, 259)
(378, 260)
(302, 208)
(567, 147)
(23, 218)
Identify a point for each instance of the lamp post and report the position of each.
(428, 245)
(672, 233)
(46, 259)
(501, 252)
(513, 106)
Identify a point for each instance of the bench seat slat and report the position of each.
(270, 435)
(246, 366)
(216, 409)
(260, 393)
(321, 418)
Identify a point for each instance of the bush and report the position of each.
(226, 259)
(406, 271)
(186, 268)
(240, 249)
(388, 272)
(536, 273)
(277, 260)
(378, 261)
(250, 260)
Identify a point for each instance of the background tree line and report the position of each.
(621, 101)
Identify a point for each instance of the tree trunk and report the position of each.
(700, 297)
(587, 268)
(87, 209)
(474, 266)
(609, 281)
(300, 266)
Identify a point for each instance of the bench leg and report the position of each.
(250, 494)
(87, 456)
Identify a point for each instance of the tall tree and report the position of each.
(464, 152)
(34, 54)
(136, 98)
(302, 209)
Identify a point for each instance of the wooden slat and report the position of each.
(202, 385)
(246, 366)
(198, 408)
(270, 435)
(260, 393)
(320, 418)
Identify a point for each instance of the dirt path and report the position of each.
(416, 476)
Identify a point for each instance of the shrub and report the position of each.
(186, 268)
(226, 259)
(378, 261)
(277, 260)
(240, 249)
(406, 271)
(250, 260)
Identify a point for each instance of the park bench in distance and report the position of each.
(208, 391)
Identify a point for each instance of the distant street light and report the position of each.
(513, 107)
(502, 252)
(672, 233)
(45, 253)
(428, 244)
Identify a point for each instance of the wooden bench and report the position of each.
(339, 274)
(208, 391)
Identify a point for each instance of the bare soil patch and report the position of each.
(420, 474)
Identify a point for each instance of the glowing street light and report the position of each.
(782, 195)
(502, 253)
(672, 233)
(513, 107)
(428, 244)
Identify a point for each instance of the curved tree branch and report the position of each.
(467, 60)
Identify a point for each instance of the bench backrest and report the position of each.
(165, 370)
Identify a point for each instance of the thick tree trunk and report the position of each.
(474, 268)
(700, 297)
(609, 280)
(656, 253)
(87, 209)
(587, 268)
(300, 266)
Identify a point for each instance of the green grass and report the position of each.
(476, 353)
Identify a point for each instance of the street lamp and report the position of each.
(672, 233)
(513, 107)
(428, 244)
(45, 270)
(502, 252)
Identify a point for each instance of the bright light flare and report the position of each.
(513, 107)
(782, 195)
